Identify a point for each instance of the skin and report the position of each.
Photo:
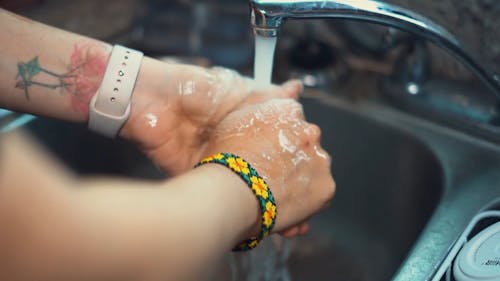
(141, 230)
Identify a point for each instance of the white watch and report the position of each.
(109, 109)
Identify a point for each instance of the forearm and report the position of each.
(114, 229)
(54, 73)
(174, 231)
(47, 71)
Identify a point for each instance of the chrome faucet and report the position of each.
(267, 16)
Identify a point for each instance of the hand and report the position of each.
(274, 138)
(176, 107)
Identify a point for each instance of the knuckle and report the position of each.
(297, 107)
(328, 160)
(329, 191)
(314, 131)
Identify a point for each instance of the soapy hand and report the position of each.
(276, 140)
(176, 110)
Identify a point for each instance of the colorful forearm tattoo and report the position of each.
(81, 79)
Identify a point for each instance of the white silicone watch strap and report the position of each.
(109, 109)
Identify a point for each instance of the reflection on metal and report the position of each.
(10, 120)
(268, 15)
(413, 88)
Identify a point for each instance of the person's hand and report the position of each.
(285, 150)
(176, 107)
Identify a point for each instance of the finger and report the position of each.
(287, 108)
(259, 97)
(311, 136)
(292, 89)
(296, 230)
(290, 232)
(313, 132)
(289, 90)
(304, 228)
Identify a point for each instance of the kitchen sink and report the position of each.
(406, 187)
(87, 153)
(388, 184)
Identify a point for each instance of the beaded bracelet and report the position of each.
(259, 187)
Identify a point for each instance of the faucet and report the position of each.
(267, 16)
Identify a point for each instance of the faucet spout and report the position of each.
(267, 16)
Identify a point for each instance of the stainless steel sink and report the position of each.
(86, 153)
(407, 188)
(388, 184)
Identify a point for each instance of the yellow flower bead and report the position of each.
(271, 209)
(259, 186)
(238, 165)
(218, 156)
(207, 160)
(253, 244)
(268, 219)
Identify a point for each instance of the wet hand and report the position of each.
(276, 140)
(176, 107)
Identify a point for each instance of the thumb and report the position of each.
(289, 90)
(292, 89)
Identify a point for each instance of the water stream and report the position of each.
(268, 262)
(264, 58)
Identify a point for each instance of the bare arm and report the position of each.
(50, 72)
(56, 227)
(115, 229)
(47, 71)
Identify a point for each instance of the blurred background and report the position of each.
(186, 28)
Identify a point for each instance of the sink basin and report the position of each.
(86, 153)
(388, 184)
(406, 188)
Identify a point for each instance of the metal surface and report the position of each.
(388, 184)
(407, 188)
(10, 120)
(267, 16)
(446, 169)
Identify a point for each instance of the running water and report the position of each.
(268, 262)
(264, 58)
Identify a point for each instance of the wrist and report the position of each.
(266, 201)
(109, 107)
(239, 208)
(148, 94)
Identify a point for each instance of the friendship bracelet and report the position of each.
(258, 186)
